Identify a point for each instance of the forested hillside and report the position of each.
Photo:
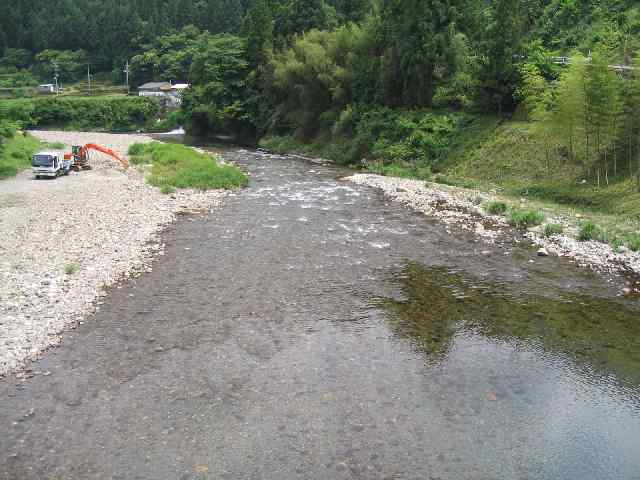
(387, 82)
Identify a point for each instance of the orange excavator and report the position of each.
(80, 156)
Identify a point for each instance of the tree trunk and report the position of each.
(606, 167)
(629, 156)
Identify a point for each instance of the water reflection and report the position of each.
(442, 304)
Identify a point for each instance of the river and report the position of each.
(312, 330)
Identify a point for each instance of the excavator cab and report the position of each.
(80, 158)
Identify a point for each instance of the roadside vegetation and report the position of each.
(117, 114)
(171, 166)
(16, 151)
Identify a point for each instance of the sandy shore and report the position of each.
(64, 241)
(463, 208)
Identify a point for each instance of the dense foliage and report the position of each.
(109, 113)
(383, 80)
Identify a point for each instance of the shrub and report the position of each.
(496, 208)
(525, 218)
(551, 229)
(136, 149)
(591, 231)
(634, 242)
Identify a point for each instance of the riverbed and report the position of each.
(313, 329)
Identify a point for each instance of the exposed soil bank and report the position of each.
(462, 207)
(63, 241)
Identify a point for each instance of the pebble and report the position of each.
(542, 252)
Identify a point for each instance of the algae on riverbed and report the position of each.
(442, 303)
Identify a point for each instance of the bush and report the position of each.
(525, 218)
(179, 166)
(552, 229)
(496, 208)
(136, 149)
(634, 242)
(591, 231)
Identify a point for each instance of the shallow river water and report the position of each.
(311, 330)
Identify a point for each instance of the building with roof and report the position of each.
(168, 93)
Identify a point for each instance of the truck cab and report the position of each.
(49, 164)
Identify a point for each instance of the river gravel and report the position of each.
(462, 207)
(64, 241)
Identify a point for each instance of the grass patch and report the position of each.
(551, 229)
(591, 231)
(400, 169)
(496, 208)
(71, 268)
(525, 218)
(178, 166)
(53, 145)
(16, 154)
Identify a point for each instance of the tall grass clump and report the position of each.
(179, 166)
(525, 218)
(634, 242)
(591, 231)
(496, 208)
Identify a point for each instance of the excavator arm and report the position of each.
(82, 155)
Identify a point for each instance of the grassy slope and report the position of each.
(505, 157)
(178, 166)
(16, 154)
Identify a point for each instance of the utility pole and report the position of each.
(55, 75)
(126, 72)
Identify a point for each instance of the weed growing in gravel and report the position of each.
(525, 218)
(71, 268)
(496, 208)
(167, 189)
(551, 229)
(591, 231)
(179, 166)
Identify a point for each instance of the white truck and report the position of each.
(50, 164)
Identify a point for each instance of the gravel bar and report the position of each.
(63, 242)
(461, 207)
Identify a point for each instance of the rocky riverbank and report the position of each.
(64, 241)
(463, 208)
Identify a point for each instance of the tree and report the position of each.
(569, 116)
(601, 102)
(218, 73)
(418, 36)
(499, 77)
(257, 29)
